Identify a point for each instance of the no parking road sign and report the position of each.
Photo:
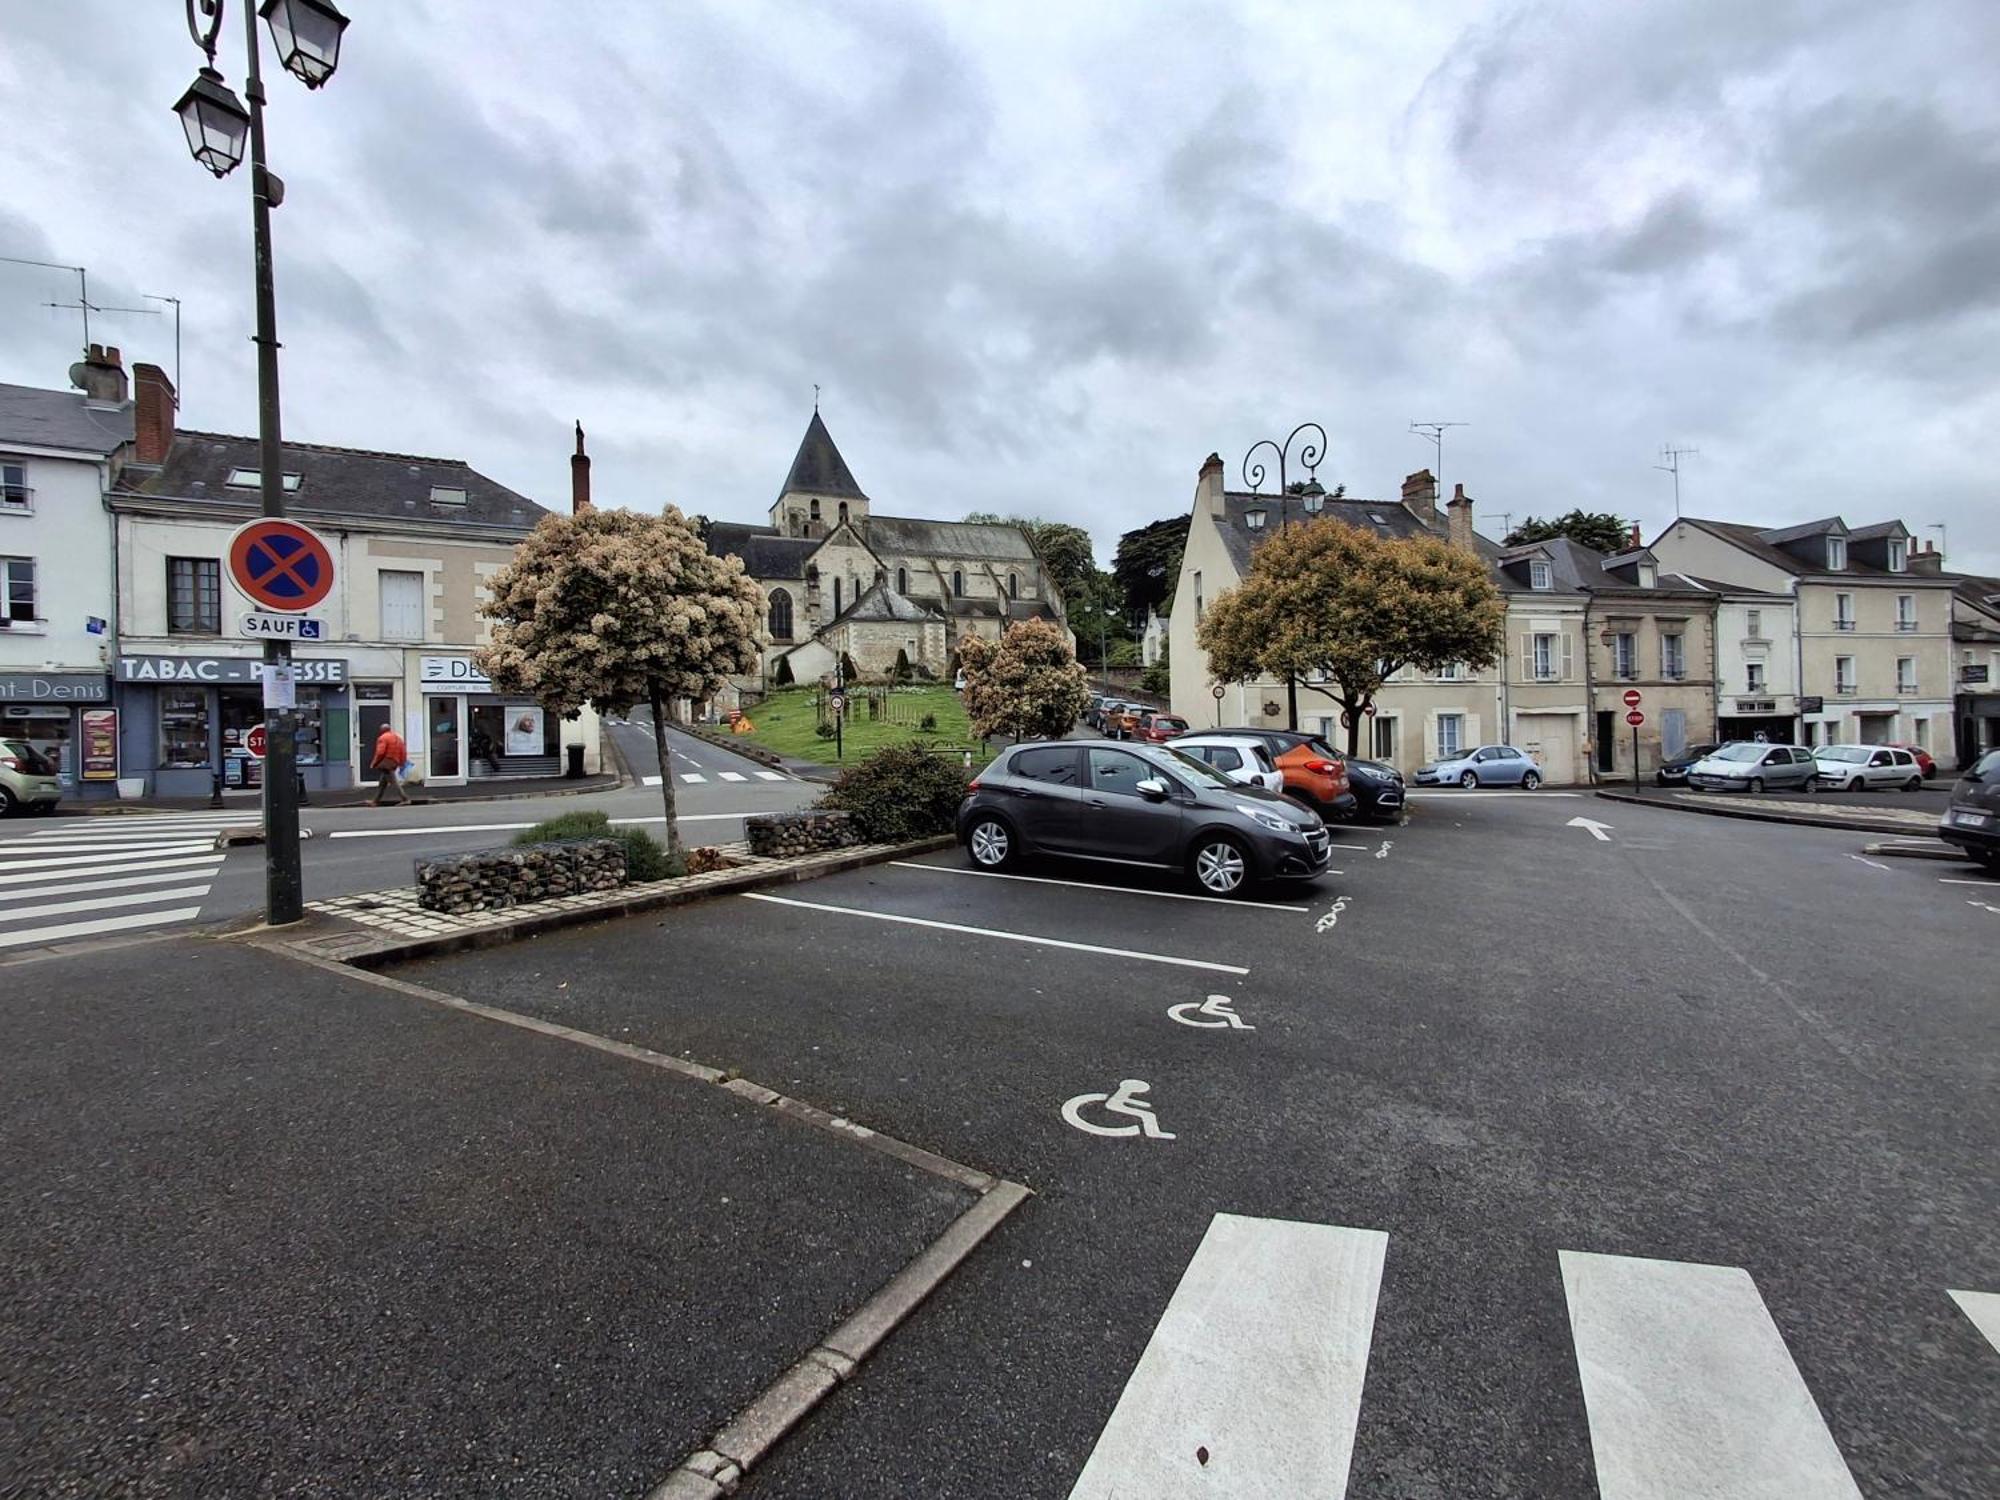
(280, 565)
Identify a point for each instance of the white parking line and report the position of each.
(994, 932)
(1984, 1310)
(1948, 880)
(1085, 885)
(1495, 791)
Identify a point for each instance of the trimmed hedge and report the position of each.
(900, 793)
(645, 856)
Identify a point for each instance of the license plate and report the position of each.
(1970, 819)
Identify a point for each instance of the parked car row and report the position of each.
(1753, 766)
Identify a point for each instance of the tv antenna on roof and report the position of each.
(1673, 455)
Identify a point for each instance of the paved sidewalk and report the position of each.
(278, 1229)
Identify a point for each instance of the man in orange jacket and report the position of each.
(387, 764)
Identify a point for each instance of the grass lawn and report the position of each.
(786, 721)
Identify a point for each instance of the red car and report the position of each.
(1923, 759)
(1157, 729)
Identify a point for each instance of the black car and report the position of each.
(1377, 788)
(1674, 772)
(1972, 821)
(1135, 804)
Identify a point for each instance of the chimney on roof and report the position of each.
(1420, 496)
(1460, 518)
(579, 476)
(153, 422)
(1208, 488)
(1637, 540)
(1927, 561)
(100, 375)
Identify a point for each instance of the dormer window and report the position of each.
(446, 495)
(250, 479)
(1836, 554)
(1254, 519)
(1649, 576)
(1539, 576)
(1898, 554)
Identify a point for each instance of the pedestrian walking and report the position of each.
(387, 764)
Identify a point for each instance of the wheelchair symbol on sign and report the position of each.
(1215, 1011)
(1124, 1101)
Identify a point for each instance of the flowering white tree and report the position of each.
(615, 608)
(1029, 684)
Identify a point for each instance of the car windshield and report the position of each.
(28, 756)
(1987, 765)
(1200, 772)
(1740, 752)
(1852, 753)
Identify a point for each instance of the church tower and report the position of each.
(819, 492)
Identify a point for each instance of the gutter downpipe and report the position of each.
(1589, 690)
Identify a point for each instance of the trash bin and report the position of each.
(575, 770)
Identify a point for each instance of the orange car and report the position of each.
(1314, 773)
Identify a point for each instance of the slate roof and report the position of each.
(818, 468)
(334, 481)
(1384, 517)
(35, 418)
(1879, 530)
(880, 602)
(974, 540)
(1761, 543)
(763, 552)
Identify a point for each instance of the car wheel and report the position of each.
(1219, 866)
(992, 844)
(1914, 784)
(1857, 785)
(1756, 785)
(1469, 780)
(7, 803)
(1530, 780)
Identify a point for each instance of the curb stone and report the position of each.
(1756, 815)
(1904, 851)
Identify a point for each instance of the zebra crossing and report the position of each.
(1251, 1383)
(120, 874)
(698, 778)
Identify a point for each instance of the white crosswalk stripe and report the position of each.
(733, 776)
(772, 776)
(1251, 1383)
(693, 777)
(111, 874)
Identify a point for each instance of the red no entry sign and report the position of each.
(280, 565)
(1635, 718)
(254, 741)
(1631, 697)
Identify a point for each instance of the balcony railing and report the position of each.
(1906, 625)
(1845, 689)
(1843, 624)
(1906, 689)
(16, 497)
(1673, 674)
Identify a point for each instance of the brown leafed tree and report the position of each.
(1028, 684)
(1333, 599)
(615, 608)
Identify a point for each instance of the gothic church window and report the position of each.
(781, 615)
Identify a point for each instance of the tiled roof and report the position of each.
(335, 481)
(763, 552)
(880, 602)
(35, 418)
(1761, 543)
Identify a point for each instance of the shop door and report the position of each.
(374, 711)
(444, 720)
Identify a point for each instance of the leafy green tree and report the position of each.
(1064, 549)
(615, 608)
(1097, 615)
(1028, 684)
(1147, 564)
(1341, 601)
(1598, 529)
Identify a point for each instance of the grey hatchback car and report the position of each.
(1750, 766)
(1132, 804)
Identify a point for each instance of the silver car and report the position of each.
(1863, 768)
(1750, 767)
(1238, 757)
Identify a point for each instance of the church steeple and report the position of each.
(820, 490)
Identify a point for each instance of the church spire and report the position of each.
(819, 469)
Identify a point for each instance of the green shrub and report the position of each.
(646, 857)
(568, 826)
(928, 724)
(900, 793)
(825, 729)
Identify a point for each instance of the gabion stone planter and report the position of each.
(491, 879)
(778, 835)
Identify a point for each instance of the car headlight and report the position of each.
(1273, 822)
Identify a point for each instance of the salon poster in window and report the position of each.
(524, 731)
(100, 744)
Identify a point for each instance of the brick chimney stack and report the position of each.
(1637, 541)
(1208, 489)
(1927, 560)
(1420, 495)
(1459, 518)
(579, 476)
(100, 375)
(153, 422)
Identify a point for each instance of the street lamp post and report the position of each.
(1312, 498)
(306, 34)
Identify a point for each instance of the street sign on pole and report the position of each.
(280, 565)
(259, 626)
(1635, 718)
(255, 741)
(1631, 697)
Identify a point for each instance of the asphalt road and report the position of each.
(1531, 1086)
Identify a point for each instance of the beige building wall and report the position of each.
(1691, 696)
(1879, 702)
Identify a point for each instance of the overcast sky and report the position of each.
(1045, 257)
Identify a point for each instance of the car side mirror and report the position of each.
(1151, 787)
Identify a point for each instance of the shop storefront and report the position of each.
(1756, 719)
(183, 719)
(472, 733)
(48, 710)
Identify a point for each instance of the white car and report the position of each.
(1862, 768)
(1241, 759)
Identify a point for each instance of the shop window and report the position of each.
(183, 728)
(194, 596)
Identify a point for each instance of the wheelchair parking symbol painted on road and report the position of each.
(1124, 1101)
(1213, 1012)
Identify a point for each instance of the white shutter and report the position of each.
(402, 605)
(1569, 658)
(1528, 656)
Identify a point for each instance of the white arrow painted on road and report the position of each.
(1599, 831)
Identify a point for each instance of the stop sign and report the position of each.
(1631, 697)
(254, 741)
(1635, 718)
